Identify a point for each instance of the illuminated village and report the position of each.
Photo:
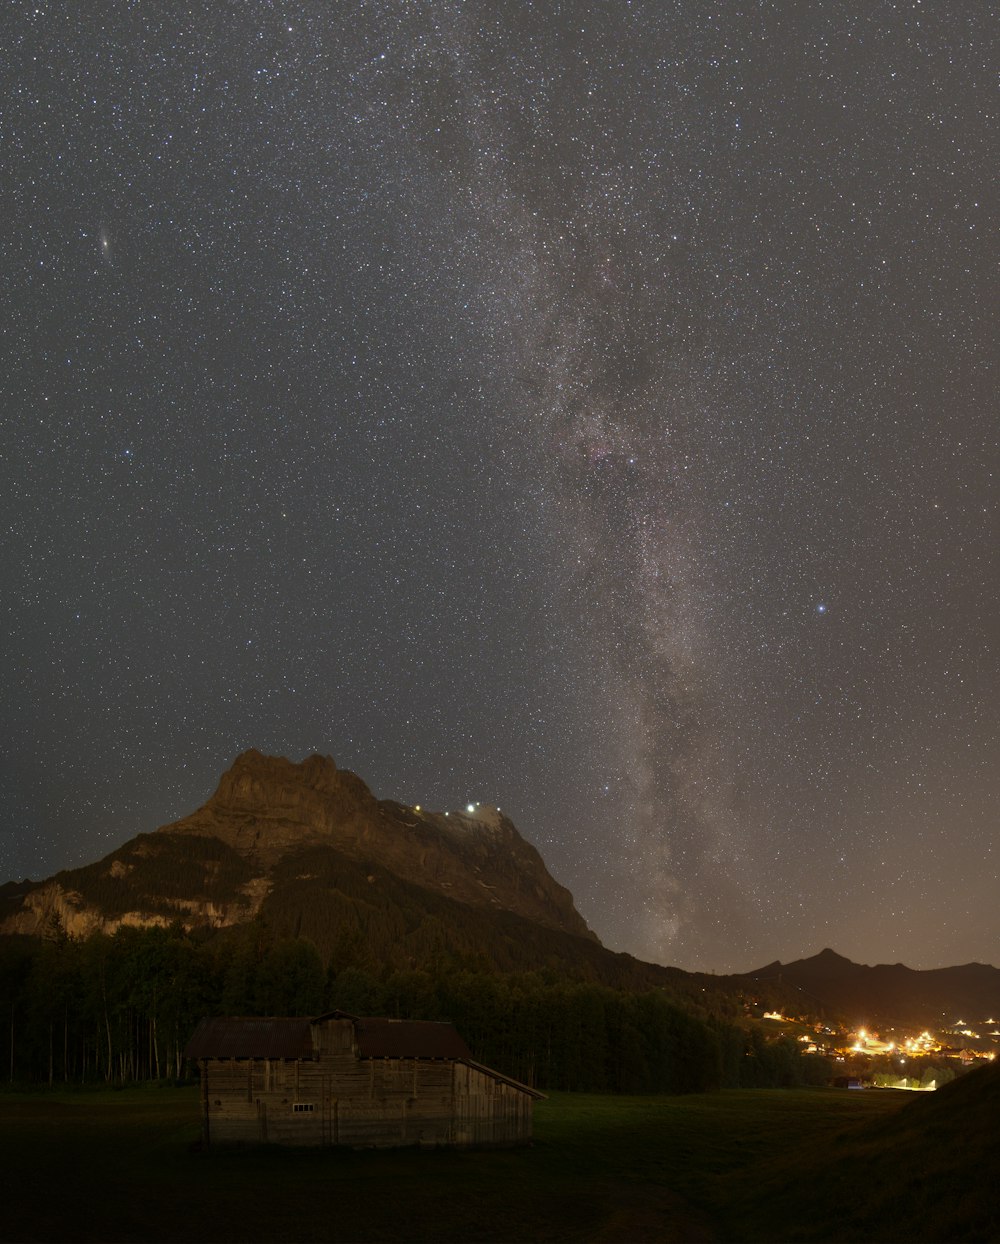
(894, 1058)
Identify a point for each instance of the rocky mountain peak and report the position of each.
(267, 815)
(255, 781)
(267, 806)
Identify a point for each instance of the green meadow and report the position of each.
(769, 1165)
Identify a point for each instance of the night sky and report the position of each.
(584, 408)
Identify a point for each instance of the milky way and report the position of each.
(589, 409)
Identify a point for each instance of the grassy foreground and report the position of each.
(791, 1165)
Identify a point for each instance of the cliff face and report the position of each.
(217, 865)
(266, 806)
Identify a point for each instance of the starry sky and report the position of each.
(586, 408)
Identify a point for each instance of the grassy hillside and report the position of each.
(922, 1172)
(798, 1165)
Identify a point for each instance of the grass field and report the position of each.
(818, 1165)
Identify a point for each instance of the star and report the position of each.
(482, 357)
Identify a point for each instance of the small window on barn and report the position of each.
(303, 1107)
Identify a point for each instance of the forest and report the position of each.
(119, 1009)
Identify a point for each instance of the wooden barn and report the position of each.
(341, 1080)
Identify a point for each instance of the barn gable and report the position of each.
(339, 1079)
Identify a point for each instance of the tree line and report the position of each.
(120, 1008)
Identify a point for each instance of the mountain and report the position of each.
(309, 851)
(266, 806)
(218, 865)
(888, 993)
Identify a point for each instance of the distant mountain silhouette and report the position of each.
(888, 993)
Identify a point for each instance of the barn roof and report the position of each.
(499, 1075)
(408, 1038)
(233, 1036)
(247, 1037)
(291, 1037)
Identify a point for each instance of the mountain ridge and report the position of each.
(886, 992)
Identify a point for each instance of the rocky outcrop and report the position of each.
(51, 905)
(266, 806)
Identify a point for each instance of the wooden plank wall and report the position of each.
(344, 1100)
